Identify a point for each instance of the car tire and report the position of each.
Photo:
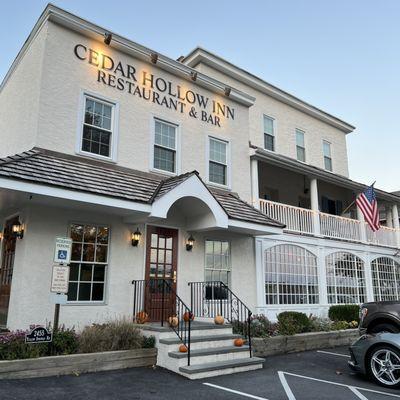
(380, 365)
(385, 327)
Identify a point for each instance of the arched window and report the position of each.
(345, 279)
(385, 279)
(291, 275)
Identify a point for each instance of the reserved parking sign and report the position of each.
(62, 253)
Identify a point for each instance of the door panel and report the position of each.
(6, 269)
(161, 264)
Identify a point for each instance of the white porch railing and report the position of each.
(301, 220)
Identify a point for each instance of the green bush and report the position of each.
(339, 325)
(111, 336)
(344, 312)
(13, 347)
(65, 341)
(260, 326)
(292, 322)
(149, 342)
(318, 324)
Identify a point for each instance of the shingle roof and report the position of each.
(79, 174)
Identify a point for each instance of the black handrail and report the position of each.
(210, 299)
(155, 300)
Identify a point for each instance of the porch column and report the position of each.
(315, 205)
(363, 227)
(255, 197)
(389, 217)
(396, 223)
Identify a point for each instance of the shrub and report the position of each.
(318, 324)
(292, 322)
(65, 341)
(344, 312)
(339, 325)
(149, 342)
(13, 347)
(111, 336)
(260, 326)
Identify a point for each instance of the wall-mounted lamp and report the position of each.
(189, 243)
(193, 75)
(227, 91)
(18, 230)
(136, 237)
(107, 38)
(154, 58)
(1, 236)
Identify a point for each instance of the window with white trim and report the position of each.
(300, 145)
(165, 146)
(218, 261)
(291, 275)
(218, 161)
(97, 130)
(385, 279)
(89, 259)
(326, 146)
(269, 133)
(345, 279)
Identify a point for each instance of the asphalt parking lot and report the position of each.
(310, 375)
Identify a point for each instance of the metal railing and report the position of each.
(155, 300)
(211, 299)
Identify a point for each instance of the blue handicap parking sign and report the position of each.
(62, 254)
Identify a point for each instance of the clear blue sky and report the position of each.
(342, 56)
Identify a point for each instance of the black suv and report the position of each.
(380, 316)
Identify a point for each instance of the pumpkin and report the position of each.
(141, 317)
(187, 316)
(173, 321)
(183, 348)
(238, 342)
(219, 320)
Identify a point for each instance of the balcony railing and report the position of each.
(304, 221)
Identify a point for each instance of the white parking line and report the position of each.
(357, 393)
(286, 387)
(340, 384)
(333, 354)
(251, 396)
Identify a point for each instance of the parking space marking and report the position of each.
(286, 387)
(357, 393)
(333, 354)
(340, 384)
(251, 396)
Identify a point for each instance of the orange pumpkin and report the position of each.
(187, 316)
(183, 348)
(142, 317)
(238, 342)
(173, 321)
(219, 320)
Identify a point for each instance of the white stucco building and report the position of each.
(99, 141)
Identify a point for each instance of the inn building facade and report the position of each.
(188, 170)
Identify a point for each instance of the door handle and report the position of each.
(174, 276)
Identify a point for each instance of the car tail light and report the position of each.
(363, 313)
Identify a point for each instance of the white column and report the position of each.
(323, 284)
(389, 217)
(396, 223)
(255, 197)
(315, 204)
(368, 277)
(260, 276)
(363, 232)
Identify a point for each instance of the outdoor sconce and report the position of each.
(18, 230)
(227, 91)
(193, 75)
(189, 243)
(154, 58)
(136, 237)
(107, 38)
(1, 236)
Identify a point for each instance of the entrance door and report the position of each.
(6, 269)
(161, 263)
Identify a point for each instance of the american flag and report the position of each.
(368, 205)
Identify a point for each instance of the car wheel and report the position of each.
(383, 366)
(385, 327)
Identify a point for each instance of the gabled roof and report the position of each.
(76, 173)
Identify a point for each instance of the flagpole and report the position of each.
(351, 204)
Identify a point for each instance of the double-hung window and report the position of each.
(269, 133)
(218, 161)
(327, 155)
(89, 259)
(300, 145)
(97, 130)
(165, 146)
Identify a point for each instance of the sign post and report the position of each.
(60, 275)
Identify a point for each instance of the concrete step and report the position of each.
(208, 351)
(199, 339)
(208, 370)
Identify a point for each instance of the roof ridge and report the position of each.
(19, 156)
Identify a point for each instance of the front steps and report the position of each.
(212, 351)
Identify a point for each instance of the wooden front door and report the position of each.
(6, 269)
(161, 264)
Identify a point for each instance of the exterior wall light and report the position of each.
(136, 237)
(18, 230)
(154, 58)
(107, 38)
(189, 243)
(193, 75)
(1, 236)
(227, 91)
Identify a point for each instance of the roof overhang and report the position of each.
(200, 55)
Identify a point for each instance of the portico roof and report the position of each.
(52, 169)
